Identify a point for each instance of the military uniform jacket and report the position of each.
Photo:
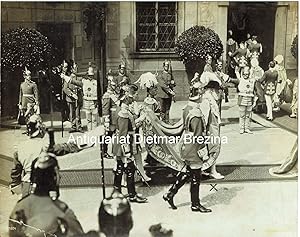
(44, 214)
(70, 89)
(194, 125)
(125, 126)
(164, 85)
(28, 93)
(110, 107)
(122, 80)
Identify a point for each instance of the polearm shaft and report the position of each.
(102, 170)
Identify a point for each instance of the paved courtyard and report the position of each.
(255, 209)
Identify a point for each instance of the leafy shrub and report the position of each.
(24, 47)
(196, 42)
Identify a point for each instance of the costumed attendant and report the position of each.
(269, 82)
(281, 82)
(294, 104)
(256, 72)
(125, 151)
(193, 153)
(245, 99)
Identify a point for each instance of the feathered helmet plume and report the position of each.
(147, 80)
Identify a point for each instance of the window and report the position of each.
(156, 26)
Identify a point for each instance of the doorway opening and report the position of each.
(255, 18)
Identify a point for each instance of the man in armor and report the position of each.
(38, 214)
(125, 151)
(165, 90)
(193, 153)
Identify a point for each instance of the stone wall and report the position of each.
(29, 14)
(121, 39)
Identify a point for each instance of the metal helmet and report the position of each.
(115, 215)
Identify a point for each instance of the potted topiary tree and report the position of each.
(194, 44)
(19, 48)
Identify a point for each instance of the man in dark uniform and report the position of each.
(165, 91)
(72, 91)
(126, 150)
(122, 78)
(110, 105)
(37, 214)
(193, 153)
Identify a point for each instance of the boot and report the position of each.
(133, 196)
(169, 196)
(118, 176)
(247, 123)
(242, 124)
(195, 186)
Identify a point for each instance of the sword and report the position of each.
(139, 172)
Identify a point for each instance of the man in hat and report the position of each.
(37, 214)
(71, 91)
(165, 90)
(90, 98)
(110, 105)
(126, 150)
(194, 154)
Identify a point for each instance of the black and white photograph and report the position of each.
(149, 119)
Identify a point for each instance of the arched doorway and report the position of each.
(256, 18)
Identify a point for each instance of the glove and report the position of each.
(20, 107)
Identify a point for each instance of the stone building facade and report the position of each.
(122, 36)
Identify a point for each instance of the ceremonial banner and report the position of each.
(166, 153)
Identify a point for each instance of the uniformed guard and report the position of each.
(28, 93)
(122, 78)
(194, 154)
(115, 216)
(165, 90)
(110, 105)
(37, 214)
(25, 154)
(125, 146)
(72, 98)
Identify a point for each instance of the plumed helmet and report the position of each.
(122, 65)
(115, 215)
(147, 80)
(26, 72)
(44, 165)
